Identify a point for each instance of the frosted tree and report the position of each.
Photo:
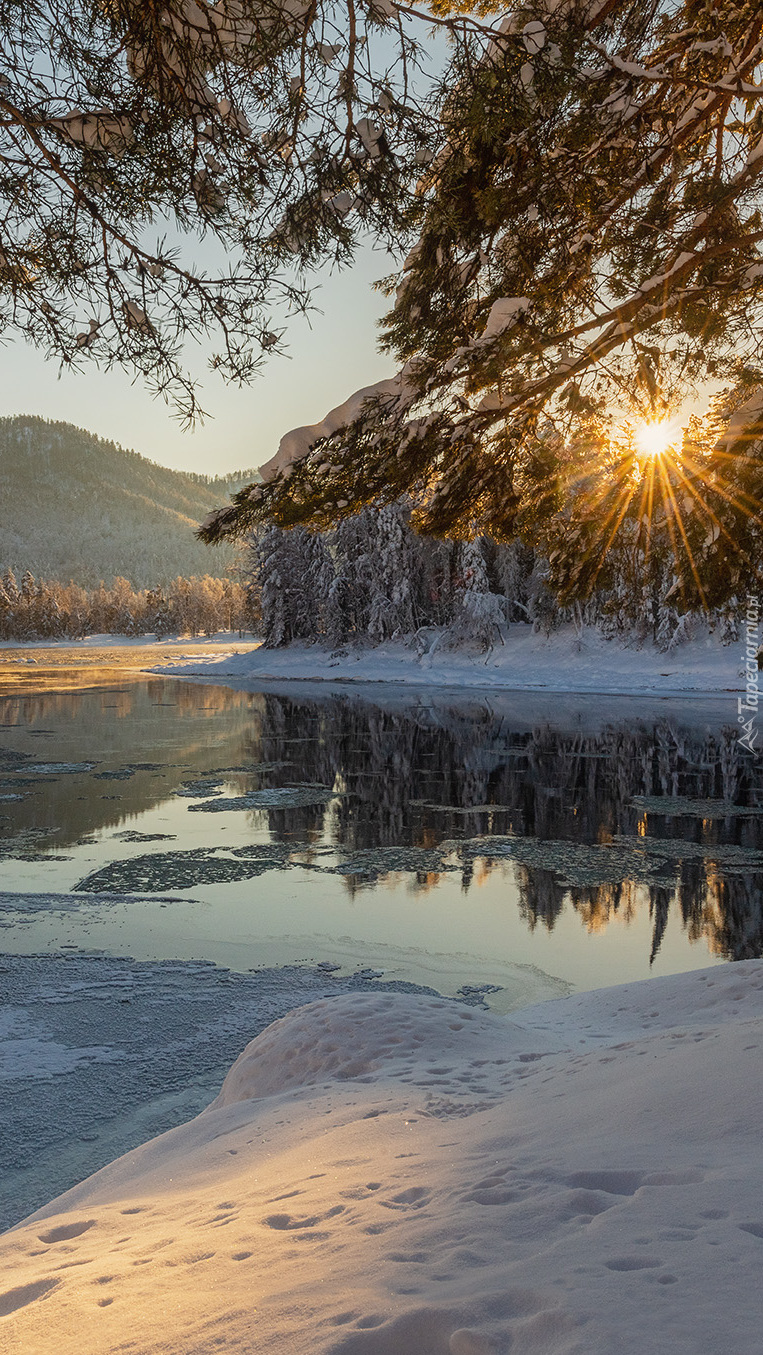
(318, 580)
(472, 568)
(392, 610)
(373, 578)
(157, 620)
(271, 564)
(348, 605)
(9, 599)
(123, 609)
(10, 587)
(292, 572)
(480, 614)
(46, 619)
(6, 613)
(437, 591)
(74, 606)
(514, 566)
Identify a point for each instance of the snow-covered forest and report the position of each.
(373, 578)
(41, 609)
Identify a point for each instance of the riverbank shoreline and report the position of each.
(567, 661)
(99, 660)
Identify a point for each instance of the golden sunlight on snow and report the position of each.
(389, 1174)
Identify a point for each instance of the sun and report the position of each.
(654, 438)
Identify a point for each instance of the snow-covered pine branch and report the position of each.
(589, 248)
(280, 129)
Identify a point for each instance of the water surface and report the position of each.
(524, 841)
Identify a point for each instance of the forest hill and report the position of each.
(42, 609)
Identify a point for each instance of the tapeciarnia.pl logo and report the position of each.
(747, 707)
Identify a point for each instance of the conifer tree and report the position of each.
(392, 608)
(10, 587)
(480, 614)
(588, 251)
(354, 583)
(318, 580)
(287, 585)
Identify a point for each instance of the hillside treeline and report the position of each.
(43, 609)
(75, 506)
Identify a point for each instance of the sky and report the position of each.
(328, 358)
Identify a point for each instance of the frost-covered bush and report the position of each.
(479, 622)
(46, 609)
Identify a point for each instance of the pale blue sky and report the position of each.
(326, 363)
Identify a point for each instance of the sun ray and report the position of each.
(669, 518)
(691, 488)
(647, 495)
(659, 490)
(668, 488)
(721, 487)
(621, 504)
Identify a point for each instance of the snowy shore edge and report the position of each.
(384, 1174)
(565, 661)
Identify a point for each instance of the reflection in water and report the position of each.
(435, 771)
(478, 786)
(144, 738)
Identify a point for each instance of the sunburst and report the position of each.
(668, 480)
(655, 437)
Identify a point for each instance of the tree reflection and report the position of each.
(432, 771)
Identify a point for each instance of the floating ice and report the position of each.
(58, 768)
(674, 805)
(281, 797)
(173, 870)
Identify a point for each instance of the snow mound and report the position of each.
(565, 661)
(391, 1175)
(357, 1037)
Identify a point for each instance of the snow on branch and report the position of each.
(296, 445)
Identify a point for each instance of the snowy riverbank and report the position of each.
(563, 661)
(384, 1174)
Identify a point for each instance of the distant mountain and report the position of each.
(73, 506)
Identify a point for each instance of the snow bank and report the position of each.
(399, 1175)
(562, 661)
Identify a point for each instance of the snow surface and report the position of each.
(99, 1053)
(387, 1174)
(564, 661)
